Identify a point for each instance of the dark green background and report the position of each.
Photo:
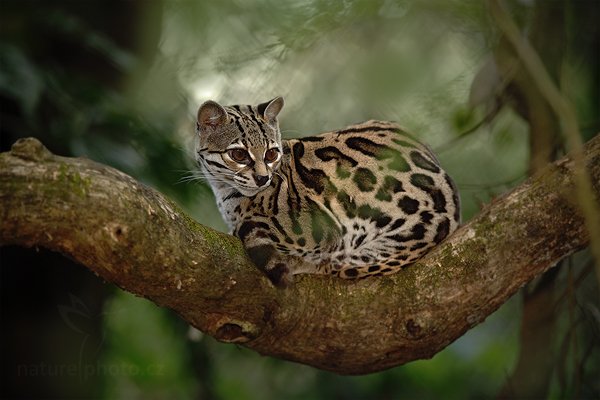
(120, 82)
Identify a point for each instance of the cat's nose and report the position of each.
(261, 179)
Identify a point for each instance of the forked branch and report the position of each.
(133, 236)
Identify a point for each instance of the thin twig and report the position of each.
(566, 114)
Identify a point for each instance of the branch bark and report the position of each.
(131, 235)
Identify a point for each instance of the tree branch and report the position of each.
(131, 235)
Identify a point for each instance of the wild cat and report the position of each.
(366, 200)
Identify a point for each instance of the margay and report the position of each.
(365, 200)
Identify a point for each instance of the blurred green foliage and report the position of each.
(120, 82)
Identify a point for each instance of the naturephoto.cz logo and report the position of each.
(78, 317)
(84, 371)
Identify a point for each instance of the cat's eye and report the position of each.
(271, 155)
(239, 155)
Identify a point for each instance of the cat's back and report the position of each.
(378, 163)
(385, 189)
(361, 151)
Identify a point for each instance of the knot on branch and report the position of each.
(117, 231)
(232, 331)
(30, 149)
(414, 329)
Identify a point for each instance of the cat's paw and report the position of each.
(280, 275)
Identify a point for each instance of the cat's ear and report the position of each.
(211, 114)
(271, 109)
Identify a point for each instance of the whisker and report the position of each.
(195, 176)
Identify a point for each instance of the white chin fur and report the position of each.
(251, 191)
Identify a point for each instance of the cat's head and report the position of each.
(239, 145)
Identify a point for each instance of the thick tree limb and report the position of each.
(134, 237)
